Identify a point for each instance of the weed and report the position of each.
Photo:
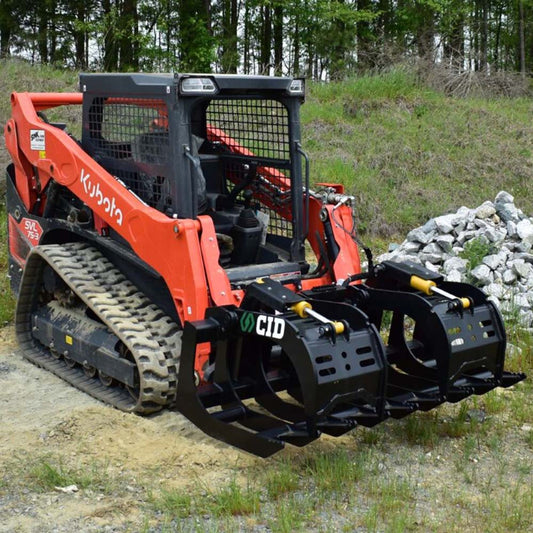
(399, 522)
(494, 402)
(281, 480)
(289, 514)
(474, 251)
(45, 473)
(460, 425)
(233, 500)
(336, 470)
(392, 494)
(173, 502)
(370, 437)
(7, 302)
(510, 510)
(420, 428)
(371, 518)
(529, 439)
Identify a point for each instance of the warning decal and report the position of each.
(37, 140)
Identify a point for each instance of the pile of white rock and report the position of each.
(505, 274)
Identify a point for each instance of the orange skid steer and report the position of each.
(174, 255)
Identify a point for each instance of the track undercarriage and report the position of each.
(80, 318)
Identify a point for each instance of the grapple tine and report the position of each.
(190, 404)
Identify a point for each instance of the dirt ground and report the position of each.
(41, 415)
(45, 420)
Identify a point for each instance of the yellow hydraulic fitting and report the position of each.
(430, 287)
(300, 308)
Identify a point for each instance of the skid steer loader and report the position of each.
(174, 255)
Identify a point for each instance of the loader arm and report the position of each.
(148, 231)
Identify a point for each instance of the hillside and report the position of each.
(408, 153)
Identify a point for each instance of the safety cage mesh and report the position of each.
(130, 136)
(258, 129)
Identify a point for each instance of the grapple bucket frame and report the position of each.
(305, 379)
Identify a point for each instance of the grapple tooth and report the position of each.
(336, 428)
(297, 435)
(400, 409)
(456, 394)
(509, 379)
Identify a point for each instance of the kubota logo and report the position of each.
(93, 190)
(265, 325)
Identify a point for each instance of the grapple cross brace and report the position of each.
(278, 374)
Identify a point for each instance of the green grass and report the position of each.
(282, 480)
(290, 514)
(173, 503)
(394, 143)
(45, 472)
(7, 301)
(232, 499)
(336, 470)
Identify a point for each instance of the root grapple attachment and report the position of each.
(286, 367)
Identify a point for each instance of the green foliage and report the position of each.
(7, 301)
(174, 503)
(323, 39)
(475, 250)
(47, 472)
(281, 480)
(290, 514)
(335, 470)
(421, 429)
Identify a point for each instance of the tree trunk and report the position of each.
(110, 43)
(296, 46)
(42, 32)
(8, 26)
(425, 33)
(80, 37)
(266, 41)
(522, 38)
(128, 44)
(230, 50)
(278, 38)
(364, 39)
(246, 40)
(484, 8)
(497, 38)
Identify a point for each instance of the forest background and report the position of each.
(318, 39)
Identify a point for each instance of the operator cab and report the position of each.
(224, 146)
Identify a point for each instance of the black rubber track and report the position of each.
(151, 337)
